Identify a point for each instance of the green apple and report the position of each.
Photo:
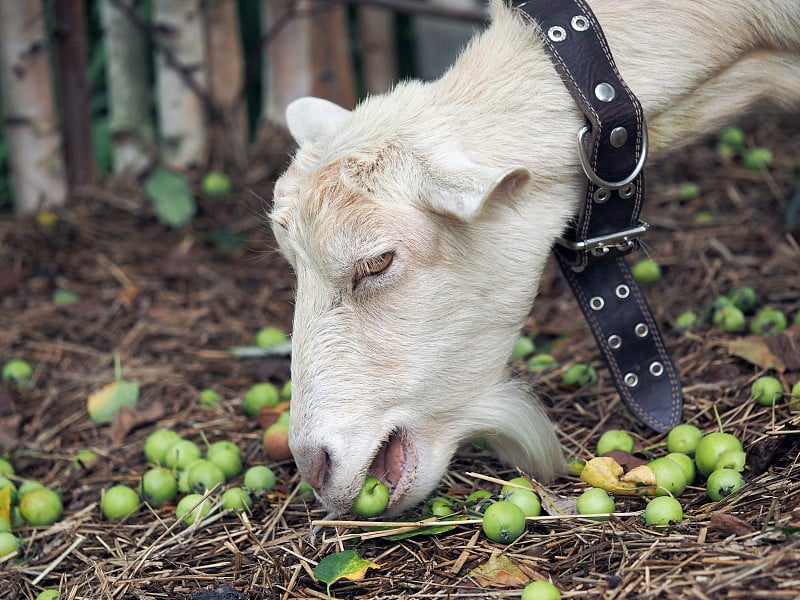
(683, 438)
(732, 137)
(595, 501)
(158, 486)
(723, 482)
(191, 508)
(768, 320)
(216, 183)
(41, 506)
(766, 390)
(259, 478)
(662, 511)
(541, 362)
(373, 498)
(503, 522)
(614, 439)
(9, 543)
(579, 375)
(711, 447)
(260, 395)
(237, 499)
(670, 477)
(267, 337)
(646, 270)
(118, 502)
(157, 444)
(687, 320)
(522, 347)
(757, 159)
(686, 463)
(540, 590)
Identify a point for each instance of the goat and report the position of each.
(418, 225)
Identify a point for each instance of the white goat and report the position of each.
(418, 225)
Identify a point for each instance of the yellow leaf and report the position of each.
(106, 402)
(5, 503)
(606, 473)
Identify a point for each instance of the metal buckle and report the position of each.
(593, 177)
(602, 244)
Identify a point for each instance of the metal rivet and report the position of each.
(557, 33)
(580, 23)
(614, 341)
(601, 251)
(641, 330)
(597, 303)
(627, 191)
(601, 195)
(631, 379)
(622, 291)
(618, 137)
(604, 92)
(656, 369)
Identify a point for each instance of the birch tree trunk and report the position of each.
(334, 77)
(287, 72)
(34, 142)
(181, 81)
(378, 48)
(127, 75)
(228, 129)
(69, 37)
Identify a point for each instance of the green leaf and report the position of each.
(172, 197)
(432, 530)
(342, 565)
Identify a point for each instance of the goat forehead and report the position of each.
(344, 200)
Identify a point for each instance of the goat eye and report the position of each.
(372, 266)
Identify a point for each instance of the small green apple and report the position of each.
(373, 498)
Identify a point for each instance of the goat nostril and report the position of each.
(320, 468)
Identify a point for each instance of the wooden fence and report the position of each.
(178, 74)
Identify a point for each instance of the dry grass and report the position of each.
(170, 308)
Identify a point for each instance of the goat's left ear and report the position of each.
(465, 193)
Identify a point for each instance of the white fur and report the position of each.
(468, 180)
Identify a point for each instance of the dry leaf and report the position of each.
(128, 419)
(499, 571)
(730, 524)
(755, 350)
(606, 473)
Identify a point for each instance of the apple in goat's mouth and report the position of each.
(373, 498)
(392, 467)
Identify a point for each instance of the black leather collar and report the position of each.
(612, 148)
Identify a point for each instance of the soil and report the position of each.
(166, 305)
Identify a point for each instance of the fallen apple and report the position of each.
(766, 390)
(503, 522)
(41, 506)
(662, 511)
(614, 439)
(723, 482)
(118, 502)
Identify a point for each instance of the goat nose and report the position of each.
(320, 467)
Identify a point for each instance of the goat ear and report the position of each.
(311, 119)
(466, 194)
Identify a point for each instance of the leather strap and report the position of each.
(613, 148)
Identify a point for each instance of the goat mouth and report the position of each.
(391, 464)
